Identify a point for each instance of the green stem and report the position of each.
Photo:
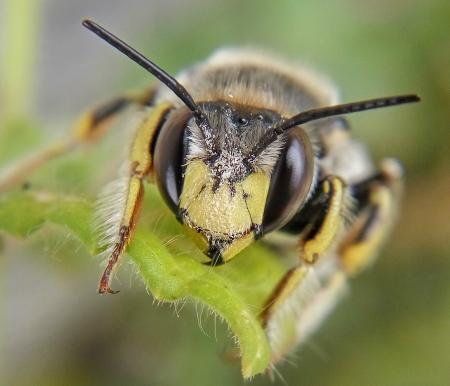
(19, 29)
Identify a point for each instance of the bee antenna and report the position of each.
(158, 72)
(325, 112)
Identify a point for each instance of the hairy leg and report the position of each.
(378, 201)
(120, 202)
(89, 127)
(309, 291)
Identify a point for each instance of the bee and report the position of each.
(244, 146)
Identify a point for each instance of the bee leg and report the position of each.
(378, 203)
(120, 202)
(94, 123)
(326, 211)
(299, 304)
(309, 291)
(326, 224)
(89, 127)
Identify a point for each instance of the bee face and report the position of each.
(225, 198)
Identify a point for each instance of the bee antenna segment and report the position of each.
(326, 112)
(155, 70)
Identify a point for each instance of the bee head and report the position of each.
(225, 194)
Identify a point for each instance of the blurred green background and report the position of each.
(392, 329)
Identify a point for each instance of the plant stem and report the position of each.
(19, 30)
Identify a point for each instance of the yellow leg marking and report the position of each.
(89, 127)
(140, 166)
(298, 306)
(283, 290)
(331, 224)
(128, 224)
(140, 151)
(370, 230)
(299, 278)
(83, 127)
(134, 192)
(93, 124)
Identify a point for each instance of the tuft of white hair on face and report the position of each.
(266, 161)
(197, 146)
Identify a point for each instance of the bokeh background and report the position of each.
(392, 329)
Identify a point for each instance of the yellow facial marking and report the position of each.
(225, 212)
(198, 238)
(237, 245)
(256, 187)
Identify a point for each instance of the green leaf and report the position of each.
(236, 291)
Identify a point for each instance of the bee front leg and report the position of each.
(90, 126)
(119, 204)
(115, 235)
(309, 291)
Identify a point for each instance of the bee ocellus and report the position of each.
(246, 145)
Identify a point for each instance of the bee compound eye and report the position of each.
(291, 181)
(170, 155)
